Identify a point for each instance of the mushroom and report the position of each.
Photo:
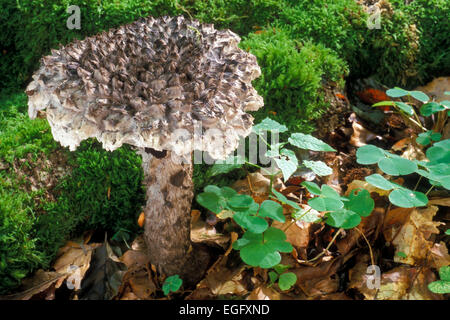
(167, 86)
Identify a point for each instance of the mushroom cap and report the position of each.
(168, 84)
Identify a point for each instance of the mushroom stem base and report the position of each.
(167, 216)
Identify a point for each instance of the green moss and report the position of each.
(33, 228)
(292, 77)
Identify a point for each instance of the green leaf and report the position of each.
(273, 276)
(440, 286)
(280, 268)
(240, 201)
(287, 280)
(380, 182)
(226, 166)
(318, 167)
(408, 199)
(306, 215)
(438, 153)
(308, 142)
(397, 92)
(384, 103)
(325, 204)
(343, 218)
(273, 210)
(369, 154)
(444, 273)
(430, 108)
(287, 167)
(397, 166)
(419, 95)
(213, 189)
(447, 232)
(172, 284)
(360, 202)
(285, 200)
(228, 192)
(405, 108)
(311, 187)
(262, 250)
(210, 201)
(402, 254)
(329, 192)
(251, 223)
(268, 125)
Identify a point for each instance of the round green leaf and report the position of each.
(360, 202)
(369, 154)
(438, 154)
(269, 125)
(287, 280)
(240, 201)
(397, 92)
(260, 255)
(228, 192)
(273, 210)
(172, 284)
(343, 218)
(405, 108)
(430, 108)
(380, 182)
(440, 286)
(419, 95)
(210, 201)
(318, 167)
(251, 223)
(408, 199)
(325, 204)
(311, 187)
(444, 273)
(397, 166)
(308, 142)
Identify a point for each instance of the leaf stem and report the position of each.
(328, 247)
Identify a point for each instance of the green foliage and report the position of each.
(431, 19)
(292, 77)
(32, 228)
(172, 284)
(436, 169)
(97, 173)
(261, 244)
(285, 279)
(441, 286)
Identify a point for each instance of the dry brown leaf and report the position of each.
(393, 221)
(297, 233)
(73, 260)
(142, 285)
(39, 283)
(220, 279)
(360, 135)
(202, 232)
(401, 144)
(436, 89)
(401, 283)
(264, 293)
(439, 255)
(412, 239)
(440, 202)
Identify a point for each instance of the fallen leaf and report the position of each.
(202, 232)
(413, 237)
(440, 202)
(37, 284)
(104, 277)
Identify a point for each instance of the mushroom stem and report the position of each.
(167, 216)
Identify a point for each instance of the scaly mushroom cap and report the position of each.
(155, 83)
